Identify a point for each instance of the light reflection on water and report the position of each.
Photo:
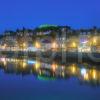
(85, 73)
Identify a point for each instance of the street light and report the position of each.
(37, 45)
(94, 74)
(24, 44)
(54, 45)
(73, 44)
(54, 67)
(94, 40)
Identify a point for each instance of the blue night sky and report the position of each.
(32, 13)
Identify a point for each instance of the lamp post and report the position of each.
(37, 45)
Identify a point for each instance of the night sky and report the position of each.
(32, 13)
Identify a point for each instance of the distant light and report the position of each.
(31, 62)
(37, 45)
(94, 40)
(24, 44)
(54, 66)
(74, 44)
(2, 59)
(54, 45)
(83, 71)
(32, 49)
(24, 64)
(94, 74)
(37, 65)
(84, 40)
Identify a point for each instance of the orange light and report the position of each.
(37, 45)
(94, 74)
(24, 64)
(73, 44)
(37, 65)
(54, 66)
(86, 76)
(54, 45)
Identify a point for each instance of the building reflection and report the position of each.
(85, 73)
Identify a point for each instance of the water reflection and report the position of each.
(85, 73)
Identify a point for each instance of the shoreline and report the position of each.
(68, 57)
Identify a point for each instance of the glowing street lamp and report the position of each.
(86, 76)
(74, 44)
(37, 65)
(73, 69)
(24, 45)
(54, 67)
(24, 64)
(54, 45)
(94, 74)
(37, 45)
(94, 41)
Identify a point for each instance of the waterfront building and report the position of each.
(54, 38)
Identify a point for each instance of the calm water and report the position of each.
(26, 79)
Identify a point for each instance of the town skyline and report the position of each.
(47, 25)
